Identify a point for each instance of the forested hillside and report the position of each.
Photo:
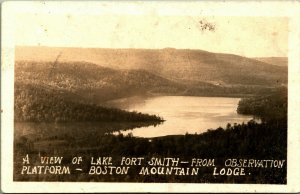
(37, 104)
(267, 107)
(92, 82)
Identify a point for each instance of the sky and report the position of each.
(247, 36)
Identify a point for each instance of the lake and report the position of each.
(183, 114)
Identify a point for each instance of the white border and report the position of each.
(290, 9)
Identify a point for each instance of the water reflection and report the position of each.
(77, 130)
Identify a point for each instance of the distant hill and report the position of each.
(280, 61)
(181, 65)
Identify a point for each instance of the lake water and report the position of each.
(183, 114)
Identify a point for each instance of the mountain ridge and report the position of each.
(181, 65)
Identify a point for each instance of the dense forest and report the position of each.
(37, 104)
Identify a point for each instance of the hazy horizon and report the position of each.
(128, 48)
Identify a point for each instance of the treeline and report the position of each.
(228, 91)
(37, 104)
(267, 140)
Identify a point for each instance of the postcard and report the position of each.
(150, 96)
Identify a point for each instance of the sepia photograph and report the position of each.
(124, 93)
